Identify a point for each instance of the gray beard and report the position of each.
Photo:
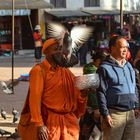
(63, 62)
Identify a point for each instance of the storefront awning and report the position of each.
(68, 13)
(108, 12)
(25, 4)
(133, 12)
(101, 12)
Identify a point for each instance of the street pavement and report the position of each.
(22, 65)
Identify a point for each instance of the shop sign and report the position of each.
(20, 12)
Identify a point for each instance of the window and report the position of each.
(91, 3)
(58, 3)
(126, 3)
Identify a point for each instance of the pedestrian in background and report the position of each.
(136, 61)
(83, 54)
(38, 43)
(55, 103)
(117, 94)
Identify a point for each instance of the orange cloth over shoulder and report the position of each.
(61, 100)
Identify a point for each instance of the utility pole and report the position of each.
(121, 14)
(13, 42)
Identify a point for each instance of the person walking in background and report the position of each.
(136, 65)
(55, 103)
(117, 94)
(136, 61)
(83, 54)
(38, 43)
(92, 116)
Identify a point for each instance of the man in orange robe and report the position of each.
(54, 101)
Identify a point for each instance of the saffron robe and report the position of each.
(62, 103)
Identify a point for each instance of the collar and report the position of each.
(49, 66)
(47, 63)
(118, 62)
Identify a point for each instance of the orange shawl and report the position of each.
(62, 103)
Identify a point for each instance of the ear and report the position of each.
(112, 48)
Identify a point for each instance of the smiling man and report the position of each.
(117, 94)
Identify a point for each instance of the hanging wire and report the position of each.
(30, 22)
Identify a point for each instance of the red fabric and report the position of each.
(37, 36)
(128, 55)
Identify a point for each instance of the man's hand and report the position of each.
(43, 133)
(108, 120)
(137, 113)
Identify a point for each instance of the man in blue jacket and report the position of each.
(117, 94)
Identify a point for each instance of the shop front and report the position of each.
(22, 29)
(26, 16)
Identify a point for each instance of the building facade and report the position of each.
(26, 16)
(95, 4)
(62, 10)
(65, 8)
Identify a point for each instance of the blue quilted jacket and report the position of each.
(117, 88)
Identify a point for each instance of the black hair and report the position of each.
(114, 39)
(120, 32)
(98, 55)
(36, 31)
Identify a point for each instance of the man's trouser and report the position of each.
(123, 126)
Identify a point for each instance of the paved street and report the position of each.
(23, 64)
